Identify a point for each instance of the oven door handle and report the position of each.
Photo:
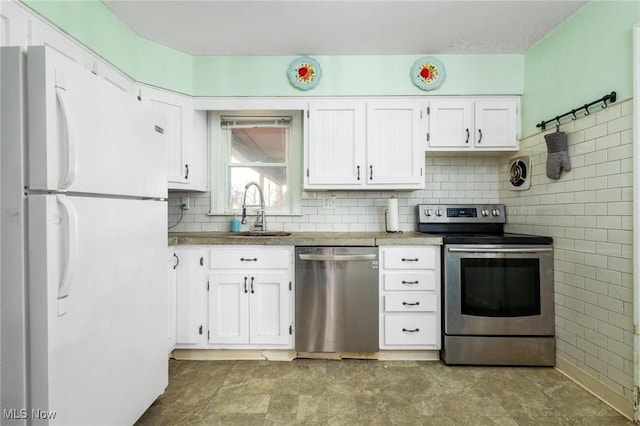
(500, 250)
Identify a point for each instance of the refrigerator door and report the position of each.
(13, 294)
(88, 136)
(98, 308)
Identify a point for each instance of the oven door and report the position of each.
(498, 290)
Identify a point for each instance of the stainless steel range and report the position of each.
(498, 303)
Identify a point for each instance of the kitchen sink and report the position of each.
(262, 234)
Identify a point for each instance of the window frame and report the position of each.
(220, 161)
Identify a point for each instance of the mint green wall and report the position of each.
(93, 24)
(96, 27)
(163, 67)
(587, 57)
(355, 75)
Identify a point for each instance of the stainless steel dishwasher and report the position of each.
(337, 299)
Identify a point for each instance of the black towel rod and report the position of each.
(611, 97)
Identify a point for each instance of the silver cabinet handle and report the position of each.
(480, 133)
(409, 282)
(177, 261)
(186, 172)
(406, 330)
(337, 257)
(248, 259)
(252, 285)
(404, 259)
(467, 140)
(245, 284)
(410, 304)
(358, 168)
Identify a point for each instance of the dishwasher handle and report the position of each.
(337, 257)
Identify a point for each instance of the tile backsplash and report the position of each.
(447, 180)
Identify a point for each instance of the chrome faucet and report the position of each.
(261, 222)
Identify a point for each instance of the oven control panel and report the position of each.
(461, 213)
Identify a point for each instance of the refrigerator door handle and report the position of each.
(72, 157)
(72, 252)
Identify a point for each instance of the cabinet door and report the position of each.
(229, 308)
(496, 124)
(178, 113)
(395, 155)
(190, 295)
(269, 299)
(335, 151)
(173, 262)
(451, 124)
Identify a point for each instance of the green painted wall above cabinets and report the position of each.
(584, 59)
(93, 24)
(356, 75)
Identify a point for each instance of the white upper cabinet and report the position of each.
(473, 124)
(335, 152)
(395, 154)
(358, 144)
(185, 131)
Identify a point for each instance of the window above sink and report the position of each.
(260, 146)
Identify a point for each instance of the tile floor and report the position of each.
(358, 392)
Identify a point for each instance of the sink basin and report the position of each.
(262, 234)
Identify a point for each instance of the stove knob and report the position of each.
(427, 212)
(495, 212)
(484, 212)
(438, 212)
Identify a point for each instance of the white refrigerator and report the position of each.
(84, 242)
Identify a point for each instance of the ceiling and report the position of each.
(344, 27)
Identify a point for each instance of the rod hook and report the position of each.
(557, 123)
(604, 101)
(573, 112)
(586, 109)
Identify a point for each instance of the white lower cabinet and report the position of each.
(190, 296)
(251, 297)
(172, 265)
(410, 297)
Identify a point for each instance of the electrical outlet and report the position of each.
(186, 203)
(329, 202)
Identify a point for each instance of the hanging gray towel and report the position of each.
(557, 156)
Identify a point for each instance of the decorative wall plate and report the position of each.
(519, 173)
(304, 73)
(428, 73)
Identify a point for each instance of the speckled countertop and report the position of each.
(307, 239)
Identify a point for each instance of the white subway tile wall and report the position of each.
(589, 213)
(447, 180)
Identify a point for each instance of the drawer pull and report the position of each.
(410, 304)
(409, 282)
(248, 259)
(404, 259)
(415, 330)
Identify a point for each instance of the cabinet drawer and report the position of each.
(410, 258)
(423, 280)
(249, 258)
(410, 302)
(410, 329)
